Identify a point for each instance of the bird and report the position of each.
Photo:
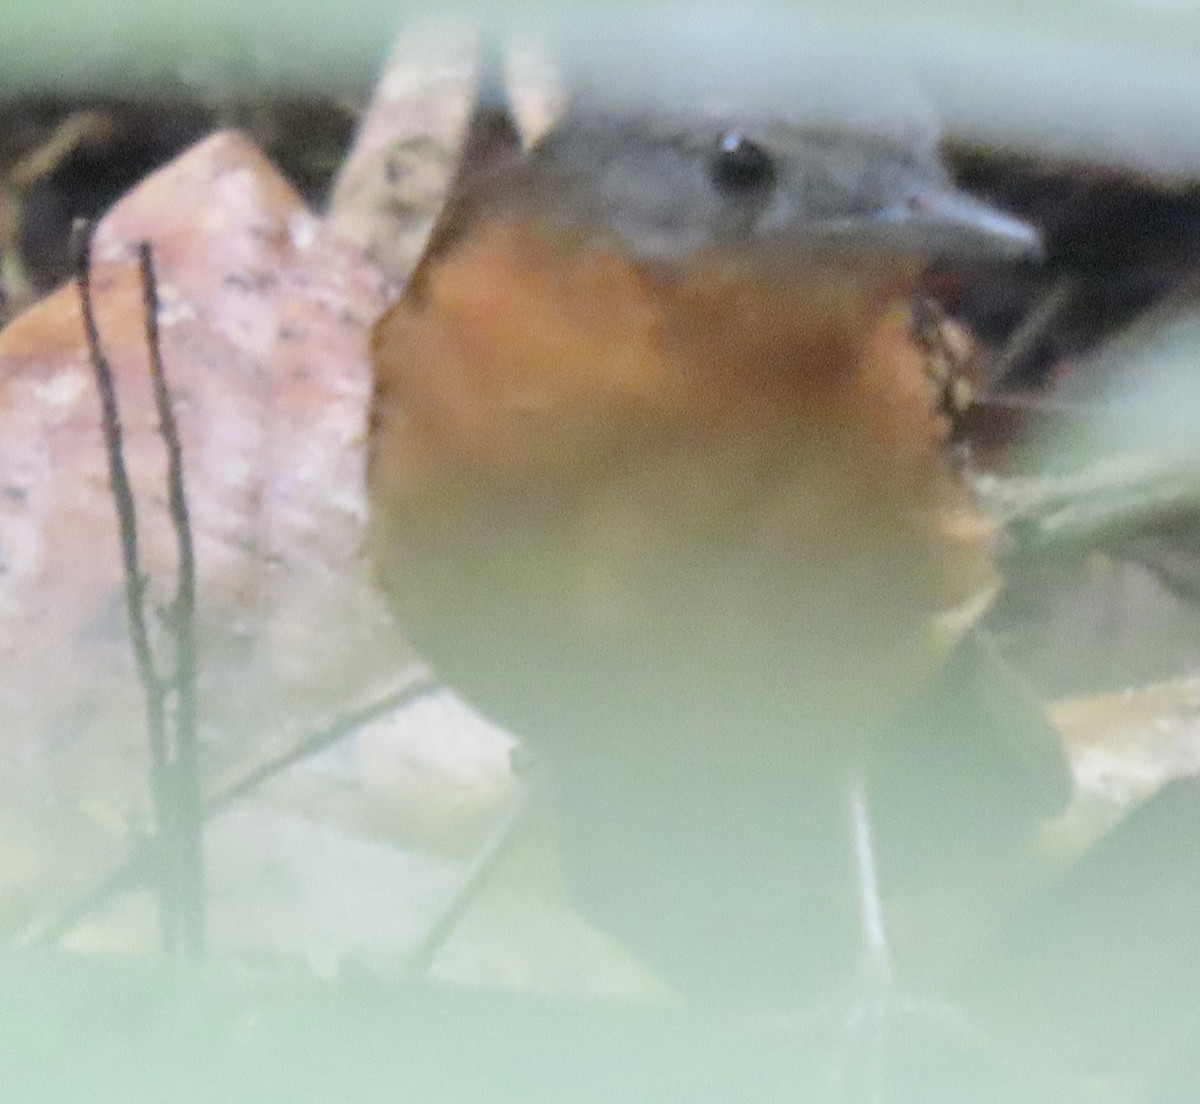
(660, 481)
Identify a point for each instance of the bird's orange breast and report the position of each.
(719, 480)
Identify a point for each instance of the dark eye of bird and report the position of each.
(741, 165)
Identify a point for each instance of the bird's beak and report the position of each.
(938, 223)
(948, 223)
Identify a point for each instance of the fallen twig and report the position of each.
(484, 863)
(1099, 507)
(1032, 330)
(140, 865)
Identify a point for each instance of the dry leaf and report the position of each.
(264, 318)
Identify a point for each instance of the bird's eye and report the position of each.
(740, 165)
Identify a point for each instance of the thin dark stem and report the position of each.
(187, 846)
(135, 581)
